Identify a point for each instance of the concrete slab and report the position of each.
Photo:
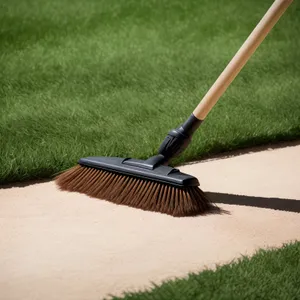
(59, 245)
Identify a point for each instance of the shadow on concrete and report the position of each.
(290, 205)
(24, 184)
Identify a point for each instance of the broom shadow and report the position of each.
(290, 205)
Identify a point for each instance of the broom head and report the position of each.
(143, 184)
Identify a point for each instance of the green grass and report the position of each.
(96, 77)
(272, 274)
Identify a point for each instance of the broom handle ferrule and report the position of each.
(241, 57)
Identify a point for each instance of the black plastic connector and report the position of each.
(178, 139)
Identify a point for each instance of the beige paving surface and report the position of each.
(59, 245)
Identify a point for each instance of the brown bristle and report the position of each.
(135, 192)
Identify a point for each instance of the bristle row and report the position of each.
(135, 192)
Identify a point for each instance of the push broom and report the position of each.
(152, 184)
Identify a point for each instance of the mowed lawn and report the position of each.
(98, 77)
(270, 275)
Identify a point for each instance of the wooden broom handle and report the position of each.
(241, 57)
